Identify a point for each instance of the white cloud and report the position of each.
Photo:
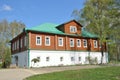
(6, 7)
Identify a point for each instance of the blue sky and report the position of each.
(36, 12)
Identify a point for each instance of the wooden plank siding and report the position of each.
(31, 40)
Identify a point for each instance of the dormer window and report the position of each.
(73, 29)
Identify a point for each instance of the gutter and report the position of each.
(28, 48)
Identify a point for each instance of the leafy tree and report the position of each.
(98, 17)
(8, 30)
(7, 58)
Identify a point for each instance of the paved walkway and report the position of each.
(20, 74)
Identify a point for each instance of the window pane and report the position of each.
(72, 59)
(85, 43)
(47, 41)
(79, 58)
(95, 44)
(61, 58)
(47, 58)
(71, 42)
(73, 29)
(60, 41)
(78, 43)
(38, 40)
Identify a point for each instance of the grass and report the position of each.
(106, 73)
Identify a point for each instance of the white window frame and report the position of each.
(46, 44)
(60, 41)
(73, 29)
(40, 40)
(85, 43)
(71, 42)
(78, 42)
(95, 42)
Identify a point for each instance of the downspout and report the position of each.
(28, 65)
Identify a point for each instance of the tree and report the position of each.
(98, 17)
(8, 30)
(7, 58)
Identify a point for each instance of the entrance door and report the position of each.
(16, 60)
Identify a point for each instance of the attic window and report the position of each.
(73, 29)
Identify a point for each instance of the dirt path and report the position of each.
(20, 74)
(56, 69)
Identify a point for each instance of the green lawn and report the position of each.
(107, 73)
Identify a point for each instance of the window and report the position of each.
(17, 44)
(13, 46)
(25, 41)
(38, 58)
(38, 40)
(78, 43)
(21, 42)
(73, 29)
(71, 42)
(86, 59)
(61, 58)
(95, 44)
(100, 45)
(47, 58)
(60, 41)
(47, 41)
(79, 58)
(72, 59)
(85, 43)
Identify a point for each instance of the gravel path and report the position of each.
(20, 74)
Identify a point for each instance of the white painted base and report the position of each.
(54, 58)
(22, 59)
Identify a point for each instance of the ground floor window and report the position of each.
(61, 59)
(47, 58)
(79, 58)
(72, 59)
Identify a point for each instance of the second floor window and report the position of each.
(17, 44)
(78, 43)
(21, 42)
(71, 42)
(13, 46)
(38, 40)
(60, 41)
(95, 44)
(25, 41)
(47, 41)
(85, 43)
(73, 29)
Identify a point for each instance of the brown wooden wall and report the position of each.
(66, 43)
(54, 43)
(67, 27)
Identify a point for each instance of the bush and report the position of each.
(0, 65)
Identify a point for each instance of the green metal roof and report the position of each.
(88, 34)
(51, 28)
(47, 27)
